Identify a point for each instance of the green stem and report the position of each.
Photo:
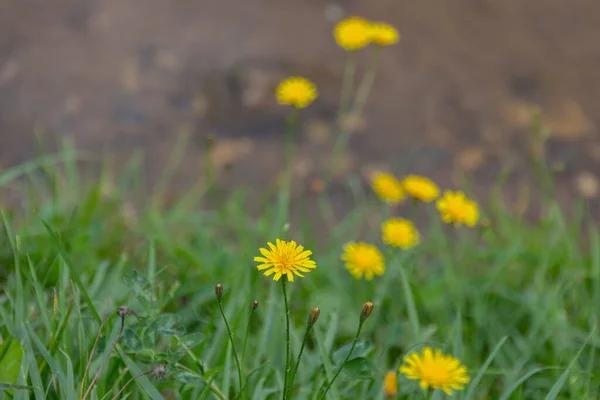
(360, 325)
(367, 82)
(246, 336)
(285, 193)
(237, 361)
(287, 338)
(362, 94)
(295, 370)
(348, 82)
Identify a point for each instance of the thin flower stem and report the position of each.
(360, 325)
(237, 361)
(356, 110)
(246, 336)
(89, 362)
(347, 83)
(287, 338)
(285, 193)
(366, 84)
(93, 382)
(116, 396)
(295, 370)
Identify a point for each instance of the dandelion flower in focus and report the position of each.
(296, 91)
(384, 34)
(285, 259)
(399, 232)
(363, 259)
(420, 188)
(387, 187)
(435, 370)
(390, 385)
(352, 33)
(456, 208)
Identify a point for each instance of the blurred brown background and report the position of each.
(454, 97)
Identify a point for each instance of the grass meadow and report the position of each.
(109, 292)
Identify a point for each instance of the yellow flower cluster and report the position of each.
(354, 33)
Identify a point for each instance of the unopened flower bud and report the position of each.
(219, 291)
(366, 310)
(390, 385)
(254, 305)
(313, 316)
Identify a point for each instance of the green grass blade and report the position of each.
(484, 368)
(74, 274)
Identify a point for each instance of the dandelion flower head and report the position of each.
(353, 33)
(390, 385)
(384, 34)
(456, 208)
(435, 370)
(399, 232)
(296, 91)
(387, 187)
(363, 259)
(420, 188)
(285, 259)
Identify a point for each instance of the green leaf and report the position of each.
(360, 350)
(360, 368)
(187, 377)
(149, 335)
(10, 363)
(168, 321)
(131, 339)
(193, 339)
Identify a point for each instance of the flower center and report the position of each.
(435, 373)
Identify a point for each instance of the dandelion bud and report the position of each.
(123, 311)
(254, 305)
(219, 291)
(366, 311)
(390, 385)
(313, 316)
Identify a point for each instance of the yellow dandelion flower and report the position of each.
(390, 385)
(285, 258)
(399, 232)
(421, 188)
(363, 259)
(387, 187)
(352, 33)
(435, 370)
(384, 34)
(456, 208)
(296, 91)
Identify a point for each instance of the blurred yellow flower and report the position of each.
(285, 258)
(387, 187)
(363, 259)
(435, 370)
(390, 385)
(352, 33)
(456, 208)
(399, 232)
(296, 91)
(384, 34)
(420, 188)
